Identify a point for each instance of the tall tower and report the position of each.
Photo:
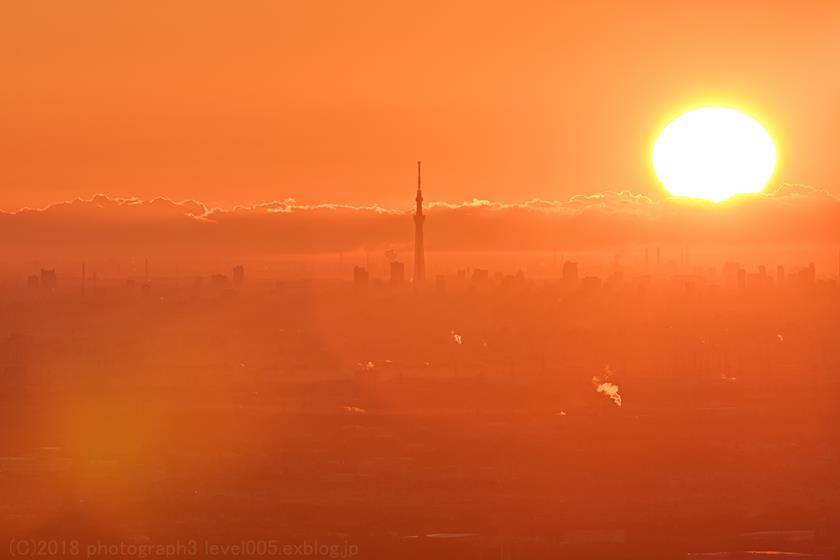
(419, 218)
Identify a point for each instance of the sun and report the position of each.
(714, 153)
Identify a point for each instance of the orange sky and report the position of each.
(241, 102)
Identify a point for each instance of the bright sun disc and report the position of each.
(714, 153)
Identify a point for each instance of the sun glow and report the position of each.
(714, 153)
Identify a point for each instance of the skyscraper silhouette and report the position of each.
(419, 218)
(49, 280)
(397, 273)
(238, 276)
(360, 277)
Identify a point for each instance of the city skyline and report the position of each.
(678, 270)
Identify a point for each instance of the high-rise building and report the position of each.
(360, 276)
(419, 250)
(397, 273)
(219, 281)
(49, 281)
(238, 276)
(480, 276)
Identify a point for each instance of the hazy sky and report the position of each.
(240, 102)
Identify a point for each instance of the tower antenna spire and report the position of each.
(419, 250)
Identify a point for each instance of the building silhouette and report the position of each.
(360, 277)
(49, 280)
(238, 276)
(590, 283)
(419, 250)
(807, 276)
(220, 281)
(440, 283)
(397, 273)
(480, 276)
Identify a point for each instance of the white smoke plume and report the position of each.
(603, 385)
(457, 338)
(354, 410)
